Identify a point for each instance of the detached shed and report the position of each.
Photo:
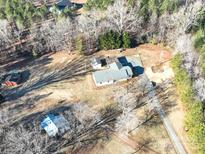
(55, 125)
(96, 63)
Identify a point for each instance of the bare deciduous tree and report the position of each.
(19, 140)
(129, 100)
(122, 17)
(53, 36)
(85, 114)
(4, 116)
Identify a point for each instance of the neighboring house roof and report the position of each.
(13, 77)
(63, 3)
(79, 1)
(55, 124)
(52, 2)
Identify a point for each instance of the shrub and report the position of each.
(199, 44)
(154, 40)
(201, 19)
(199, 39)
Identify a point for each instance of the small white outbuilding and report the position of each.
(96, 63)
(55, 125)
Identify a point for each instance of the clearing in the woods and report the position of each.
(63, 78)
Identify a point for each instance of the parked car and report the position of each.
(12, 79)
(2, 99)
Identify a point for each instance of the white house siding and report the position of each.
(108, 82)
(51, 129)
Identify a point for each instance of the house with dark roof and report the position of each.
(59, 3)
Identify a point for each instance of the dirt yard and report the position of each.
(83, 88)
(151, 138)
(64, 78)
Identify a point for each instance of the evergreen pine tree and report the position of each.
(79, 45)
(126, 40)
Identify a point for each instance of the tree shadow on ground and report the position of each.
(15, 111)
(28, 103)
(25, 76)
(17, 64)
(76, 68)
(29, 68)
(22, 63)
(168, 99)
(87, 135)
(81, 137)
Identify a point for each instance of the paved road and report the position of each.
(155, 104)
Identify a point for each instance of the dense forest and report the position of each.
(26, 30)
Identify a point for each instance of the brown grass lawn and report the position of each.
(82, 89)
(153, 136)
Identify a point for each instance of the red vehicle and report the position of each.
(13, 79)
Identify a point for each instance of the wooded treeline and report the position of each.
(47, 33)
(194, 119)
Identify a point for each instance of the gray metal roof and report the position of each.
(116, 66)
(112, 74)
(133, 61)
(117, 71)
